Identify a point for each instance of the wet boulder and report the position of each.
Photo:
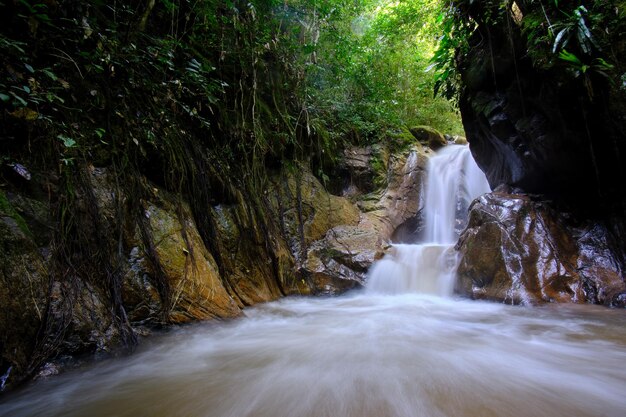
(519, 251)
(340, 261)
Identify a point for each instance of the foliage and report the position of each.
(369, 72)
(259, 81)
(573, 38)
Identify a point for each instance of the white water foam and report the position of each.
(408, 355)
(454, 180)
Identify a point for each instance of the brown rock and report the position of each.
(429, 136)
(90, 326)
(517, 251)
(319, 211)
(460, 140)
(192, 289)
(365, 168)
(197, 292)
(255, 269)
(339, 260)
(400, 201)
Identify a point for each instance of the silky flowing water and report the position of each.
(403, 347)
(429, 266)
(360, 356)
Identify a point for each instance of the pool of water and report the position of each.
(362, 355)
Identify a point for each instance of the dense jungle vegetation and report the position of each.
(146, 84)
(132, 82)
(249, 81)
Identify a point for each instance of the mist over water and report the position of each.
(360, 356)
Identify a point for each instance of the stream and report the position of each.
(360, 355)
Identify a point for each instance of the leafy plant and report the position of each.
(574, 26)
(554, 32)
(584, 71)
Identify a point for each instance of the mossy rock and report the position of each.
(460, 140)
(400, 139)
(23, 284)
(429, 136)
(7, 209)
(197, 292)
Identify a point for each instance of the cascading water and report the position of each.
(429, 267)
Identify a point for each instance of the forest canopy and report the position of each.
(147, 83)
(258, 78)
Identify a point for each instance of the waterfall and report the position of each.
(429, 267)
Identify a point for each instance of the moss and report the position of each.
(6, 209)
(379, 163)
(380, 170)
(400, 140)
(330, 253)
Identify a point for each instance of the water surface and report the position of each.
(358, 356)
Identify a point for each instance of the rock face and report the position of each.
(360, 169)
(141, 262)
(429, 137)
(193, 279)
(522, 252)
(343, 236)
(23, 283)
(540, 130)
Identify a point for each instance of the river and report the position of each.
(361, 355)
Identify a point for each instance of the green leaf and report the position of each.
(43, 17)
(19, 99)
(29, 68)
(4, 97)
(67, 141)
(27, 5)
(570, 57)
(50, 74)
(602, 64)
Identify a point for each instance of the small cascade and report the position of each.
(429, 267)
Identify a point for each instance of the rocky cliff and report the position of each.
(548, 130)
(140, 261)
